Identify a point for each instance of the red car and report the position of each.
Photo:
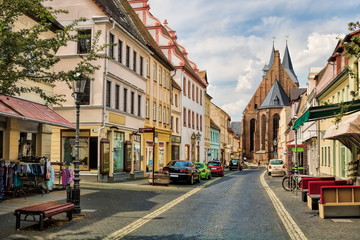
(216, 168)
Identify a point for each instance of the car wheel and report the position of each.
(269, 173)
(191, 181)
(199, 179)
(209, 177)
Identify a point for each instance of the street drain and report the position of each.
(88, 210)
(342, 220)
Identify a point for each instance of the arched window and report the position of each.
(263, 132)
(276, 119)
(252, 134)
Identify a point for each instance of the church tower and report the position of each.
(261, 116)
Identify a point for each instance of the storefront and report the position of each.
(175, 147)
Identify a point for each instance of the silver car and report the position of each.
(276, 167)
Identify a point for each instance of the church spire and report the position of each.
(287, 64)
(271, 61)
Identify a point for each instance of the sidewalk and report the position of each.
(309, 221)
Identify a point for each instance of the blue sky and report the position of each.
(232, 39)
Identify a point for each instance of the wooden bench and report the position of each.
(43, 211)
(313, 195)
(304, 186)
(339, 201)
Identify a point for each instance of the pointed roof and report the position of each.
(287, 64)
(271, 61)
(276, 97)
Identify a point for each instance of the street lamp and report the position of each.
(198, 137)
(78, 90)
(275, 143)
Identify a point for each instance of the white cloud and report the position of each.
(233, 40)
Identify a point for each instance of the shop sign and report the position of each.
(146, 130)
(176, 139)
(137, 138)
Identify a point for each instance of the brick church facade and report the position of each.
(261, 116)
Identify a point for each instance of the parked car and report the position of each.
(182, 171)
(216, 168)
(276, 167)
(235, 164)
(205, 172)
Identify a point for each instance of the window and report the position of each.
(132, 103)
(134, 61)
(139, 105)
(164, 115)
(111, 47)
(117, 96)
(200, 122)
(147, 108)
(160, 113)
(189, 118)
(177, 125)
(193, 92)
(172, 123)
(148, 67)
(141, 66)
(154, 111)
(127, 56)
(193, 119)
(184, 86)
(197, 121)
(164, 79)
(184, 117)
(108, 93)
(84, 41)
(201, 97)
(120, 51)
(176, 100)
(125, 100)
(160, 76)
(197, 94)
(189, 89)
(154, 71)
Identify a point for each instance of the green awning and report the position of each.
(326, 111)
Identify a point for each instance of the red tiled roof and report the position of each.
(26, 110)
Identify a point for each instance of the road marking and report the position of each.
(138, 223)
(290, 225)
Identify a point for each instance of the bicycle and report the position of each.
(290, 182)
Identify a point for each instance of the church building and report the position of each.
(261, 116)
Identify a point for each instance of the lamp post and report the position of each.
(78, 91)
(275, 143)
(198, 137)
(295, 153)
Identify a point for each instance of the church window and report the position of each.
(252, 134)
(276, 120)
(276, 101)
(263, 132)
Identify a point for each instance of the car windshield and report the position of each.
(214, 164)
(234, 160)
(199, 165)
(178, 164)
(276, 162)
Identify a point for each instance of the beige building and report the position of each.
(207, 128)
(113, 106)
(222, 120)
(26, 120)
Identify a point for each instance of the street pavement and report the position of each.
(107, 207)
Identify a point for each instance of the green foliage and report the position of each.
(25, 55)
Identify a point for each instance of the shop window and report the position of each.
(68, 151)
(1, 144)
(118, 151)
(27, 145)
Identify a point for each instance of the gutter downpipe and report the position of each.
(104, 96)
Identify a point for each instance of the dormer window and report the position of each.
(276, 101)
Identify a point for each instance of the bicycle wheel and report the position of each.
(288, 183)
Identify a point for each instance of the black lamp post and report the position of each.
(78, 91)
(198, 137)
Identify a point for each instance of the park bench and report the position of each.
(43, 211)
(313, 195)
(304, 186)
(339, 201)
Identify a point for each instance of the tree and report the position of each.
(25, 55)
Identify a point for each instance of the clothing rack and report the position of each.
(21, 177)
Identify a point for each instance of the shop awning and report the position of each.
(323, 112)
(347, 131)
(22, 109)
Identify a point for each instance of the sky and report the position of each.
(232, 39)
